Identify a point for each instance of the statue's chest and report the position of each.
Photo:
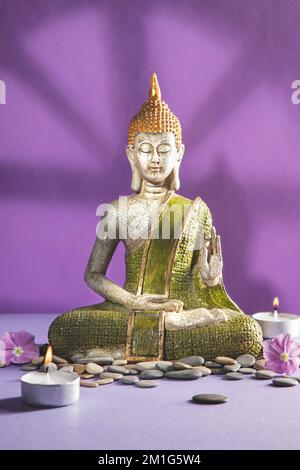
(139, 220)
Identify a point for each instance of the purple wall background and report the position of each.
(77, 71)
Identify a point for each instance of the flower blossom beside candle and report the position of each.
(282, 354)
(20, 347)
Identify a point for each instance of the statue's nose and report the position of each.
(155, 157)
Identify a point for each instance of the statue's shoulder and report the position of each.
(203, 212)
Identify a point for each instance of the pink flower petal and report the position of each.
(278, 343)
(294, 349)
(9, 355)
(9, 344)
(292, 366)
(22, 338)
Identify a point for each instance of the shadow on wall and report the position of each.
(235, 224)
(268, 41)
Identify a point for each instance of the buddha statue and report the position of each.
(174, 302)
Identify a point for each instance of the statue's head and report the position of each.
(154, 145)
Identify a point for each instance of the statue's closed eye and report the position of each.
(145, 148)
(164, 148)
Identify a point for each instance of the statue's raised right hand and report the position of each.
(155, 302)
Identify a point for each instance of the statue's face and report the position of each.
(155, 155)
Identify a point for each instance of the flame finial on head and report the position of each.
(155, 93)
(155, 116)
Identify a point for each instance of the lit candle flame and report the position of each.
(48, 357)
(275, 303)
(275, 308)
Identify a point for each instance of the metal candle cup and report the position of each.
(50, 387)
(274, 323)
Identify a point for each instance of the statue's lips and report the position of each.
(155, 168)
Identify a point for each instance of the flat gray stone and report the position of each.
(28, 367)
(209, 399)
(265, 374)
(213, 365)
(102, 361)
(69, 368)
(246, 360)
(151, 374)
(118, 370)
(234, 376)
(215, 371)
(146, 383)
(294, 377)
(191, 374)
(38, 361)
(120, 362)
(93, 368)
(232, 367)
(59, 360)
(104, 381)
(259, 364)
(146, 365)
(165, 366)
(247, 370)
(193, 361)
(284, 382)
(204, 370)
(224, 360)
(133, 372)
(111, 375)
(181, 366)
(129, 379)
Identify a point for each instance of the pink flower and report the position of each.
(20, 347)
(282, 354)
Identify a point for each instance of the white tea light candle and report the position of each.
(275, 323)
(50, 388)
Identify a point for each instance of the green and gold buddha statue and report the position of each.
(174, 302)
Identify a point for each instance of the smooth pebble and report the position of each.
(247, 370)
(151, 374)
(284, 382)
(204, 370)
(129, 379)
(38, 361)
(259, 364)
(233, 376)
(59, 360)
(225, 361)
(232, 367)
(246, 360)
(120, 362)
(88, 383)
(79, 368)
(118, 369)
(146, 383)
(111, 375)
(213, 365)
(193, 361)
(265, 374)
(146, 365)
(209, 399)
(93, 368)
(104, 381)
(191, 374)
(28, 367)
(181, 366)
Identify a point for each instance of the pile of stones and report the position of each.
(97, 370)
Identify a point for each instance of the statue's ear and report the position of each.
(130, 152)
(136, 180)
(180, 152)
